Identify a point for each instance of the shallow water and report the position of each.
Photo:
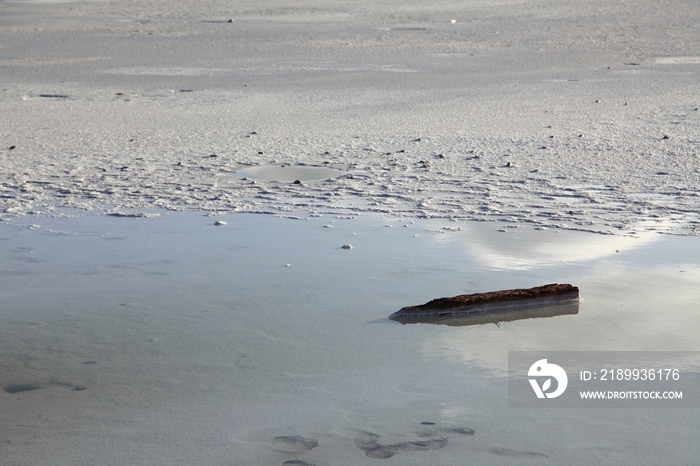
(264, 341)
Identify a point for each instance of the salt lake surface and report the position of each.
(476, 142)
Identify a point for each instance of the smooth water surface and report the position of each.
(262, 341)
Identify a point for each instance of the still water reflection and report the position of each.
(182, 333)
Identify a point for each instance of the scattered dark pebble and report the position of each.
(12, 147)
(428, 423)
(551, 137)
(132, 140)
(400, 151)
(580, 135)
(662, 173)
(509, 164)
(326, 153)
(417, 140)
(297, 182)
(548, 126)
(213, 155)
(632, 64)
(119, 93)
(179, 163)
(597, 101)
(543, 147)
(326, 162)
(230, 21)
(253, 132)
(534, 171)
(260, 152)
(666, 136)
(439, 156)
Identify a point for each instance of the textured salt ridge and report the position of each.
(463, 179)
(546, 295)
(458, 187)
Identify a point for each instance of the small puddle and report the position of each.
(288, 173)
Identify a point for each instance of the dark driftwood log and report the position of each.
(546, 295)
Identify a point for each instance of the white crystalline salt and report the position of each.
(138, 156)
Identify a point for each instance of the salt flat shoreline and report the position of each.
(472, 138)
(567, 116)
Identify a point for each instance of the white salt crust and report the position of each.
(492, 117)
